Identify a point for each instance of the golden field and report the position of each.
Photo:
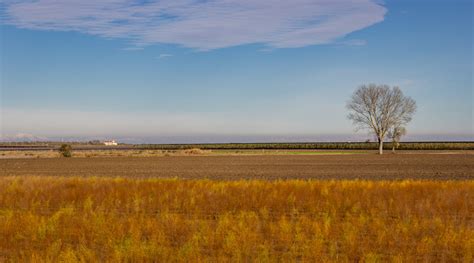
(69, 219)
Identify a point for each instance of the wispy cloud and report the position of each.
(354, 42)
(201, 25)
(162, 56)
(134, 48)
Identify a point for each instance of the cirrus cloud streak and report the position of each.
(198, 24)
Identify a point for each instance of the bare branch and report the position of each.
(380, 108)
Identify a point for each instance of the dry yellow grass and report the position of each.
(49, 219)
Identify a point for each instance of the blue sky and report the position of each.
(229, 69)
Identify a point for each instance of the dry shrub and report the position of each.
(53, 219)
(65, 150)
(194, 151)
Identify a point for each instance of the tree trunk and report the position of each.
(393, 148)
(380, 146)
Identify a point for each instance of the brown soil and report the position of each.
(366, 166)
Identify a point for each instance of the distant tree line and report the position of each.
(313, 146)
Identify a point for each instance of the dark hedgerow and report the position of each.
(315, 146)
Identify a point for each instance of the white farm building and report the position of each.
(110, 143)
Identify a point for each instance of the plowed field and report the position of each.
(357, 166)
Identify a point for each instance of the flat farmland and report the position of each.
(407, 207)
(266, 167)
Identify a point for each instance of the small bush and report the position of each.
(194, 151)
(65, 150)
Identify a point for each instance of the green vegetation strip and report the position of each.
(316, 146)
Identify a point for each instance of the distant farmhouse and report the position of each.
(110, 143)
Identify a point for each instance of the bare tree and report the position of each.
(395, 134)
(380, 108)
